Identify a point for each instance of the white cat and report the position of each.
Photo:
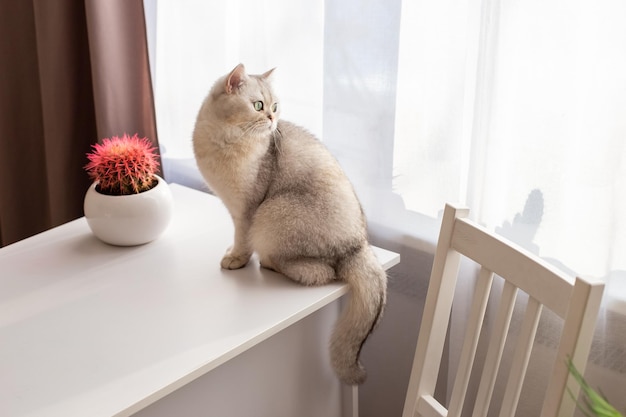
(291, 203)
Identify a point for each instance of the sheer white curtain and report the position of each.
(521, 117)
(514, 108)
(196, 41)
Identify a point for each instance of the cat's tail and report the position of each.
(368, 288)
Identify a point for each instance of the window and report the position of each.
(515, 109)
(512, 109)
(196, 42)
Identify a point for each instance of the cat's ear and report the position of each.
(235, 79)
(267, 75)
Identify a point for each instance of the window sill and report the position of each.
(183, 171)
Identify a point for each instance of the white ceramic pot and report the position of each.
(129, 220)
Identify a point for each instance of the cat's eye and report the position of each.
(274, 107)
(258, 105)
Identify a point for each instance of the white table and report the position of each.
(88, 329)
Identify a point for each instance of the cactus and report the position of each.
(123, 165)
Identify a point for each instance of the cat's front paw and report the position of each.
(234, 261)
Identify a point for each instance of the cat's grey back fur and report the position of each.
(308, 202)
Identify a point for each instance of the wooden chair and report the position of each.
(576, 301)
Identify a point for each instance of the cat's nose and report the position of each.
(270, 116)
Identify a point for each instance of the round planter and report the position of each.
(129, 220)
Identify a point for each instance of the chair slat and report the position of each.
(494, 351)
(575, 343)
(436, 316)
(428, 406)
(521, 357)
(530, 274)
(472, 334)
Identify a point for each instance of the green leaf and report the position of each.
(595, 404)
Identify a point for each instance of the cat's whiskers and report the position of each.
(254, 127)
(247, 128)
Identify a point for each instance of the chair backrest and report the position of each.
(576, 301)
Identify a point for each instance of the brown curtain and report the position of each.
(71, 73)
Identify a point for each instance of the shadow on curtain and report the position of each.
(71, 72)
